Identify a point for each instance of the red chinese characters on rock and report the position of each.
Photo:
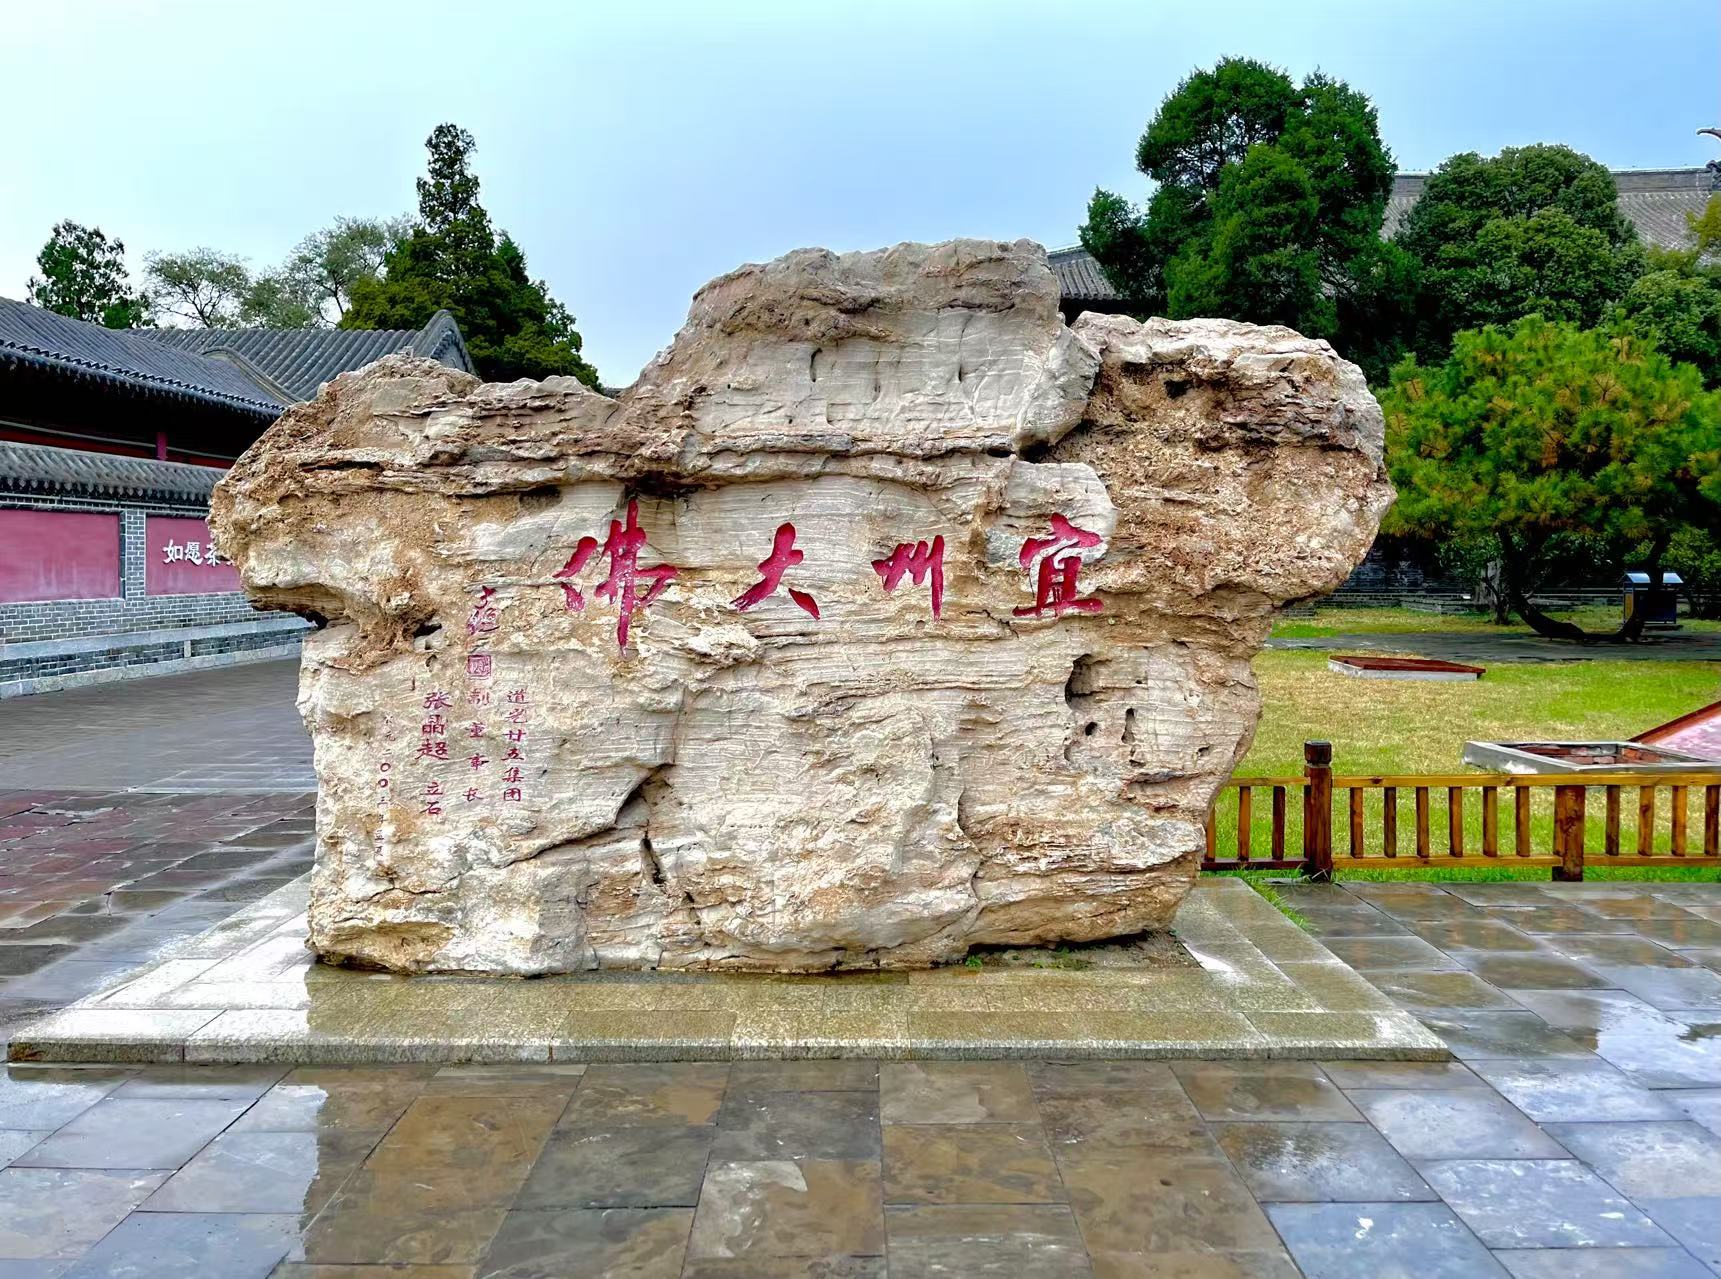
(917, 561)
(622, 586)
(1053, 563)
(485, 616)
(782, 558)
(435, 726)
(517, 716)
(1059, 563)
(478, 666)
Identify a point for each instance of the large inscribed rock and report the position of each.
(885, 615)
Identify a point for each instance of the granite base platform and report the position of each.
(249, 991)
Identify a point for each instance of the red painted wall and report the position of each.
(58, 555)
(177, 559)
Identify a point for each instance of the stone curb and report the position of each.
(270, 1003)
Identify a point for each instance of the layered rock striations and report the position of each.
(884, 616)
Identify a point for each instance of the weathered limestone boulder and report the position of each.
(885, 615)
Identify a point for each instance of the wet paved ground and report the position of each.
(1243, 982)
(137, 814)
(223, 730)
(1688, 646)
(1575, 1136)
(95, 883)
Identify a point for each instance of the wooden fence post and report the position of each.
(1318, 811)
(1569, 833)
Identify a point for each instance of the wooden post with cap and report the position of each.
(1318, 811)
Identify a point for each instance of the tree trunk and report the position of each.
(1551, 627)
(1491, 591)
(1629, 632)
(1633, 627)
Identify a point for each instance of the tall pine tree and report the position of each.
(453, 258)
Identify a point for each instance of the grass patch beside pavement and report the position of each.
(1407, 727)
(1411, 726)
(1330, 621)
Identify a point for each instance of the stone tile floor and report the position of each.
(1577, 1136)
(95, 883)
(222, 730)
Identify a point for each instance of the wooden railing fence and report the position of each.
(1550, 818)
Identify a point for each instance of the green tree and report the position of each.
(1545, 431)
(279, 300)
(204, 287)
(1677, 300)
(1533, 230)
(84, 276)
(452, 258)
(1681, 313)
(326, 264)
(1696, 554)
(1267, 206)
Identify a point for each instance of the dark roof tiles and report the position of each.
(125, 358)
(38, 468)
(254, 371)
(300, 360)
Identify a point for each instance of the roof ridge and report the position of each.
(47, 468)
(34, 352)
(148, 331)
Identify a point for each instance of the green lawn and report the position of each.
(1329, 621)
(1384, 726)
(1410, 726)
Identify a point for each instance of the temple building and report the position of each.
(110, 441)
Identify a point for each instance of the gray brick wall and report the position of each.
(133, 611)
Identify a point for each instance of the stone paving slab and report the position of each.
(248, 991)
(224, 731)
(95, 883)
(1584, 1153)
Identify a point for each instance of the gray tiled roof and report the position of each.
(32, 337)
(298, 361)
(1656, 201)
(37, 468)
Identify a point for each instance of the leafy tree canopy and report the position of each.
(84, 276)
(203, 287)
(1681, 313)
(1268, 205)
(1677, 300)
(452, 258)
(326, 264)
(1533, 230)
(1545, 430)
(210, 289)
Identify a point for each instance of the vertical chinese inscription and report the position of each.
(433, 746)
(516, 716)
(485, 616)
(477, 731)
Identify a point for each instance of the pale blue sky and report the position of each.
(636, 149)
